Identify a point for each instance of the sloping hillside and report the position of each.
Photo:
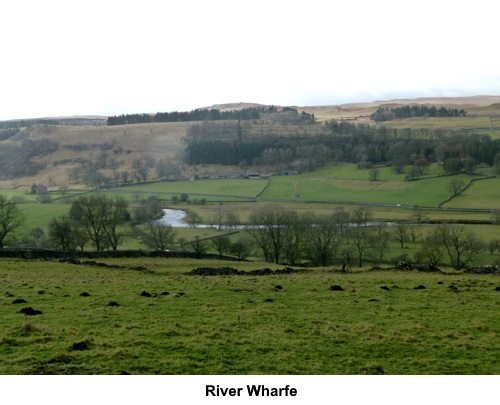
(116, 147)
(46, 154)
(475, 106)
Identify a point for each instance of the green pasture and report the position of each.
(351, 172)
(239, 188)
(18, 195)
(481, 194)
(39, 215)
(244, 324)
(426, 192)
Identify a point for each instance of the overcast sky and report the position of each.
(63, 58)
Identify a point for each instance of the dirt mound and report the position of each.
(30, 311)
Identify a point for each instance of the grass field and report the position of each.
(229, 188)
(444, 123)
(39, 215)
(426, 192)
(224, 325)
(481, 194)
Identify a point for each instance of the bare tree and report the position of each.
(401, 230)
(61, 232)
(294, 237)
(374, 174)
(360, 233)
(268, 226)
(455, 185)
(418, 214)
(193, 219)
(81, 236)
(218, 217)
(11, 219)
(324, 238)
(115, 215)
(231, 220)
(221, 244)
(38, 235)
(159, 236)
(242, 248)
(431, 249)
(102, 218)
(199, 246)
(93, 212)
(460, 244)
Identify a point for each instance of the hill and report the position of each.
(475, 105)
(46, 150)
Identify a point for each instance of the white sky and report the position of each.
(75, 57)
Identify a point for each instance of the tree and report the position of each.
(341, 218)
(418, 214)
(199, 246)
(218, 217)
(431, 250)
(455, 185)
(452, 165)
(231, 220)
(94, 178)
(101, 217)
(421, 164)
(374, 174)
(159, 236)
(11, 219)
(460, 244)
(294, 237)
(267, 228)
(360, 233)
(61, 232)
(242, 248)
(81, 236)
(362, 215)
(401, 230)
(148, 210)
(221, 244)
(324, 238)
(115, 215)
(125, 176)
(193, 219)
(37, 234)
(382, 241)
(92, 211)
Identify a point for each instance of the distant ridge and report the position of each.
(236, 106)
(319, 110)
(370, 106)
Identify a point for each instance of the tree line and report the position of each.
(341, 142)
(205, 114)
(281, 235)
(284, 236)
(26, 123)
(388, 114)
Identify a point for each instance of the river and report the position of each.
(175, 218)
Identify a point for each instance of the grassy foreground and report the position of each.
(244, 324)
